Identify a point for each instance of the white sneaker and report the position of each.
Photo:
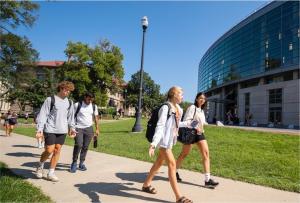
(52, 177)
(43, 144)
(39, 172)
(40, 146)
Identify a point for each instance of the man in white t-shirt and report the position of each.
(85, 113)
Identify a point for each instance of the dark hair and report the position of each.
(89, 94)
(196, 103)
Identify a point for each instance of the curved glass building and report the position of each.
(253, 69)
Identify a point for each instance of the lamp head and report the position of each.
(145, 22)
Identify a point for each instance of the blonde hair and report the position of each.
(65, 85)
(172, 91)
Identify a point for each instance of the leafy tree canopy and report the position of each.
(151, 92)
(15, 51)
(94, 69)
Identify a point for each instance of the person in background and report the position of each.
(6, 125)
(11, 121)
(26, 116)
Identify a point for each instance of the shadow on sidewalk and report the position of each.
(115, 189)
(25, 146)
(59, 166)
(140, 178)
(23, 154)
(24, 173)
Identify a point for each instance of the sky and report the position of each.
(178, 35)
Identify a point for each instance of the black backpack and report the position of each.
(79, 107)
(53, 103)
(152, 123)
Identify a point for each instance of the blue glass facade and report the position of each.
(265, 41)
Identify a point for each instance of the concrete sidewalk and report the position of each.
(116, 179)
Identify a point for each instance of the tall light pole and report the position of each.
(137, 126)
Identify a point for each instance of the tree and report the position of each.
(29, 90)
(16, 13)
(151, 92)
(184, 105)
(94, 69)
(15, 50)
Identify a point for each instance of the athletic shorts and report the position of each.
(199, 137)
(52, 138)
(196, 139)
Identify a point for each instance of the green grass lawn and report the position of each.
(14, 188)
(22, 120)
(256, 157)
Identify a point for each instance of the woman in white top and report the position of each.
(165, 137)
(195, 112)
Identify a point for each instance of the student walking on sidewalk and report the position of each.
(165, 137)
(55, 119)
(9, 123)
(195, 112)
(85, 112)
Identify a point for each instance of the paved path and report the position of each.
(116, 179)
(263, 129)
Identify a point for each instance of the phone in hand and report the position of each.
(194, 124)
(95, 142)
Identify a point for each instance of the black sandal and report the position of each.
(183, 199)
(149, 189)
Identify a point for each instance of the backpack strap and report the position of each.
(94, 108)
(52, 102)
(70, 104)
(78, 109)
(194, 112)
(170, 112)
(169, 109)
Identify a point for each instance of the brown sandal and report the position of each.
(149, 189)
(183, 199)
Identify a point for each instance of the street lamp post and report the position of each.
(137, 126)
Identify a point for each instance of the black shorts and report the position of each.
(199, 138)
(189, 136)
(52, 138)
(11, 123)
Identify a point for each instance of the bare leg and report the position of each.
(48, 151)
(6, 129)
(171, 162)
(155, 167)
(203, 148)
(55, 156)
(11, 127)
(186, 148)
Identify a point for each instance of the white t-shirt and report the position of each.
(199, 116)
(85, 115)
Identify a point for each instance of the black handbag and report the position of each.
(187, 135)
